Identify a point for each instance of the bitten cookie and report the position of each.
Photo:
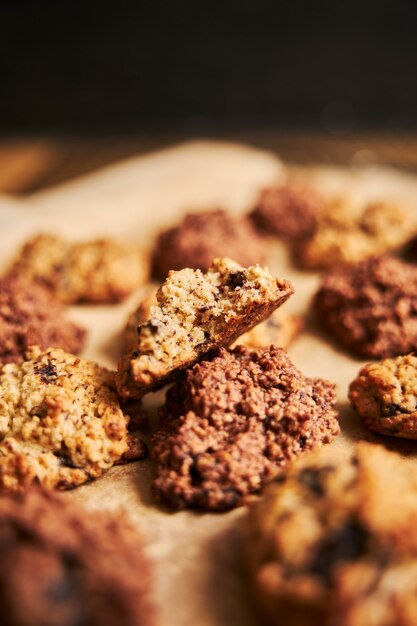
(280, 329)
(371, 307)
(333, 542)
(198, 312)
(385, 396)
(64, 566)
(30, 315)
(101, 271)
(347, 234)
(232, 422)
(202, 237)
(60, 423)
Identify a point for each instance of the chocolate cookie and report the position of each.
(345, 234)
(64, 566)
(333, 542)
(101, 271)
(196, 314)
(232, 422)
(61, 423)
(371, 307)
(289, 211)
(202, 237)
(385, 396)
(280, 329)
(30, 315)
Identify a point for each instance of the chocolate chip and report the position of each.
(48, 373)
(237, 280)
(346, 544)
(390, 410)
(65, 461)
(313, 478)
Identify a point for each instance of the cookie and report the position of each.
(64, 566)
(346, 234)
(279, 329)
(232, 422)
(371, 307)
(101, 271)
(334, 541)
(385, 396)
(197, 312)
(30, 315)
(202, 237)
(60, 424)
(289, 211)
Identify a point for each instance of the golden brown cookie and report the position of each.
(61, 565)
(60, 423)
(333, 542)
(385, 396)
(101, 271)
(31, 315)
(232, 421)
(198, 312)
(202, 237)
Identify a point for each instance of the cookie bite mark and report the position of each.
(30, 315)
(62, 565)
(100, 271)
(370, 307)
(385, 396)
(231, 423)
(333, 540)
(61, 424)
(202, 237)
(197, 313)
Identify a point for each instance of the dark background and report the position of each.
(135, 66)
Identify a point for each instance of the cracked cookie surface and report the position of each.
(100, 271)
(30, 315)
(385, 396)
(232, 422)
(371, 307)
(60, 421)
(202, 237)
(61, 565)
(333, 541)
(197, 313)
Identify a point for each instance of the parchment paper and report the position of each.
(198, 577)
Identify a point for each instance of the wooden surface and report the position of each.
(30, 165)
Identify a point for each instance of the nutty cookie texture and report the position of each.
(385, 396)
(197, 313)
(101, 271)
(345, 234)
(333, 542)
(60, 421)
(202, 237)
(280, 329)
(232, 422)
(371, 307)
(30, 315)
(64, 566)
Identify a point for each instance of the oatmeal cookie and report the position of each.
(30, 315)
(385, 396)
(101, 271)
(64, 566)
(280, 329)
(202, 237)
(289, 211)
(60, 423)
(232, 422)
(371, 307)
(346, 235)
(198, 312)
(333, 542)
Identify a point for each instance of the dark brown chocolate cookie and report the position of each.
(202, 237)
(232, 422)
(62, 566)
(371, 307)
(30, 315)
